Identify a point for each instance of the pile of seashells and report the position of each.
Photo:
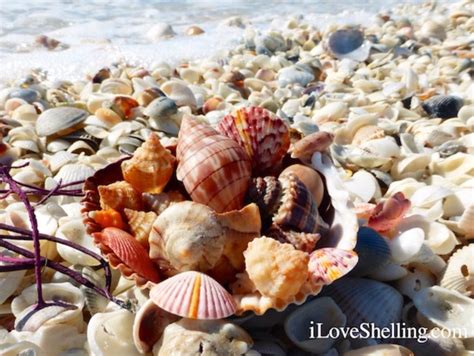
(307, 177)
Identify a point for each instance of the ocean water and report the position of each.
(99, 32)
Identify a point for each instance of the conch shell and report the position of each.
(118, 196)
(214, 169)
(150, 168)
(140, 223)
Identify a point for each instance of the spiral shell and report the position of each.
(264, 137)
(310, 178)
(265, 192)
(150, 168)
(108, 218)
(213, 168)
(315, 142)
(193, 295)
(140, 223)
(118, 196)
(126, 254)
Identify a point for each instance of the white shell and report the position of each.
(389, 272)
(418, 277)
(180, 93)
(363, 186)
(459, 273)
(9, 281)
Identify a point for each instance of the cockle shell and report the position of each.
(60, 121)
(140, 223)
(310, 178)
(315, 142)
(387, 214)
(299, 323)
(459, 273)
(328, 264)
(126, 254)
(206, 337)
(214, 169)
(263, 136)
(150, 168)
(446, 308)
(193, 295)
(119, 195)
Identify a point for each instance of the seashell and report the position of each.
(79, 147)
(465, 224)
(390, 271)
(159, 202)
(70, 173)
(372, 250)
(108, 116)
(310, 178)
(69, 313)
(150, 168)
(363, 186)
(417, 278)
(101, 75)
(140, 223)
(9, 281)
(111, 333)
(20, 348)
(427, 196)
(382, 349)
(300, 324)
(382, 147)
(459, 273)
(446, 309)
(161, 107)
(265, 192)
(28, 146)
(457, 168)
(108, 218)
(443, 106)
(116, 86)
(263, 136)
(60, 121)
(180, 94)
(126, 253)
(118, 196)
(315, 142)
(367, 133)
(194, 31)
(26, 94)
(432, 29)
(213, 168)
(212, 104)
(349, 43)
(208, 337)
(122, 105)
(330, 112)
(366, 301)
(328, 264)
(387, 214)
(294, 75)
(193, 295)
(160, 31)
(59, 159)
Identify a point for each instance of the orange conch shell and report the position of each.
(264, 136)
(387, 214)
(108, 218)
(214, 169)
(140, 223)
(126, 254)
(150, 168)
(118, 196)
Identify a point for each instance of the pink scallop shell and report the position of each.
(328, 264)
(193, 295)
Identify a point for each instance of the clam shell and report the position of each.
(116, 86)
(161, 107)
(140, 223)
(446, 308)
(328, 264)
(466, 223)
(193, 295)
(318, 311)
(387, 214)
(150, 168)
(443, 106)
(180, 94)
(213, 168)
(119, 195)
(459, 273)
(59, 121)
(126, 253)
(372, 250)
(263, 136)
(363, 186)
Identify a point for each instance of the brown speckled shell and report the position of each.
(265, 192)
(214, 169)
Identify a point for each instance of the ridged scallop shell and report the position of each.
(387, 214)
(315, 142)
(328, 264)
(118, 196)
(140, 223)
(193, 295)
(264, 137)
(366, 301)
(214, 169)
(150, 168)
(310, 178)
(126, 254)
(318, 311)
(372, 250)
(459, 273)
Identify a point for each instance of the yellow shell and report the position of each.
(150, 168)
(140, 223)
(118, 196)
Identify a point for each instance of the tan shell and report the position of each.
(140, 223)
(118, 196)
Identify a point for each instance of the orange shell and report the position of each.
(387, 214)
(264, 137)
(108, 218)
(126, 254)
(213, 168)
(150, 168)
(118, 196)
(140, 223)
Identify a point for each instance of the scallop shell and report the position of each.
(310, 178)
(150, 168)
(60, 121)
(459, 273)
(372, 250)
(315, 142)
(328, 264)
(193, 295)
(387, 214)
(140, 223)
(214, 169)
(118, 196)
(126, 254)
(318, 311)
(446, 308)
(443, 106)
(263, 136)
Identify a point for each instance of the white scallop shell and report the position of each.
(459, 273)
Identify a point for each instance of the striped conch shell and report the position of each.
(118, 196)
(214, 169)
(150, 168)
